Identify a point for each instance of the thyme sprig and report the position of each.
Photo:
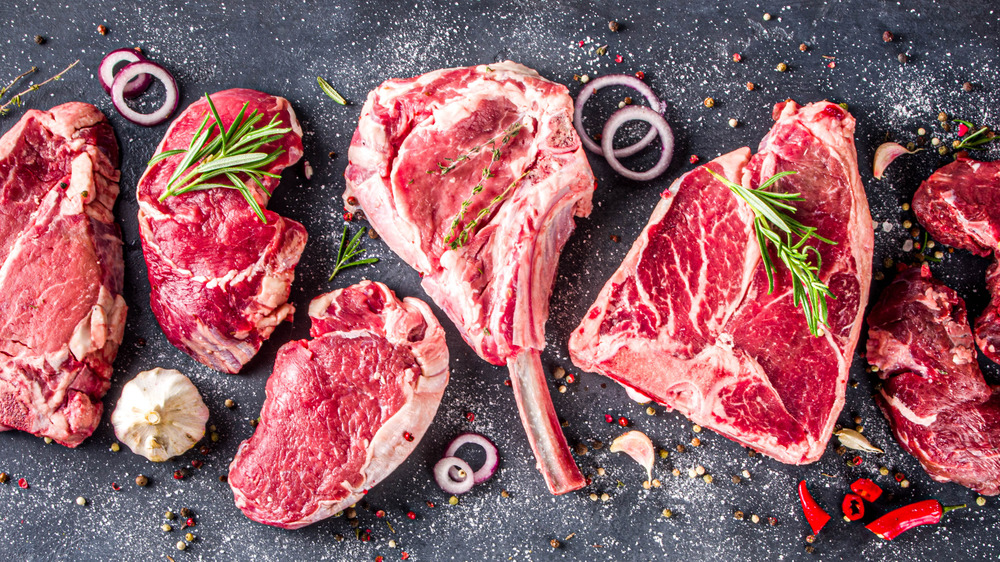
(232, 152)
(771, 215)
(456, 237)
(976, 140)
(328, 90)
(19, 98)
(348, 251)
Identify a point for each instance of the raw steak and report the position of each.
(938, 404)
(343, 409)
(491, 133)
(959, 205)
(219, 277)
(687, 321)
(62, 314)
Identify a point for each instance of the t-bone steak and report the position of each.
(474, 176)
(343, 409)
(219, 277)
(940, 407)
(62, 315)
(687, 319)
(959, 205)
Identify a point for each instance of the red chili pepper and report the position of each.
(867, 489)
(618, 58)
(737, 57)
(404, 556)
(623, 421)
(348, 216)
(962, 129)
(813, 512)
(411, 515)
(892, 524)
(469, 416)
(853, 506)
(694, 159)
(23, 483)
(608, 418)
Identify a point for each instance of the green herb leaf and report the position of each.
(770, 218)
(328, 90)
(348, 251)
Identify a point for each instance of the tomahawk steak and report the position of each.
(959, 205)
(474, 176)
(687, 319)
(62, 315)
(219, 277)
(343, 409)
(934, 395)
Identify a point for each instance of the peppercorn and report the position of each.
(605, 497)
(750, 86)
(694, 159)
(667, 513)
(554, 542)
(115, 447)
(166, 527)
(453, 500)
(681, 448)
(189, 537)
(733, 123)
(699, 470)
(83, 501)
(594, 497)
(676, 472)
(736, 479)
(709, 102)
(613, 25)
(810, 549)
(338, 537)
(767, 17)
(980, 501)
(407, 436)
(803, 47)
(411, 515)
(628, 100)
(707, 478)
(664, 453)
(39, 39)
(580, 449)
(169, 515)
(223, 478)
(696, 442)
(503, 494)
(755, 518)
(229, 403)
(903, 58)
(738, 516)
(4, 477)
(189, 522)
(737, 57)
(887, 36)
(179, 474)
(181, 545)
(782, 67)
(623, 421)
(811, 539)
(772, 521)
(746, 474)
(102, 29)
(967, 86)
(141, 480)
(904, 484)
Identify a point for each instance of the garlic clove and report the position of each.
(160, 414)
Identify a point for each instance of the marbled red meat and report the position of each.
(420, 151)
(62, 315)
(344, 408)
(940, 407)
(687, 319)
(219, 277)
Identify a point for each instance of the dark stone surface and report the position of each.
(280, 47)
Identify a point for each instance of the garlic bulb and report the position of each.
(160, 414)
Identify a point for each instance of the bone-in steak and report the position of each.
(687, 319)
(959, 205)
(343, 409)
(219, 277)
(934, 395)
(474, 176)
(62, 315)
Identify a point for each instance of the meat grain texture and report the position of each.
(344, 408)
(219, 277)
(687, 319)
(62, 315)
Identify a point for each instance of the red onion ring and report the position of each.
(156, 71)
(106, 72)
(614, 80)
(659, 124)
(492, 455)
(443, 477)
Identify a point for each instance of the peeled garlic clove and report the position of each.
(636, 445)
(160, 414)
(886, 153)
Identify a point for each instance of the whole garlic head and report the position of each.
(160, 414)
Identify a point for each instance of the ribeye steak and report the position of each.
(219, 277)
(687, 319)
(934, 395)
(62, 315)
(959, 205)
(343, 409)
(474, 176)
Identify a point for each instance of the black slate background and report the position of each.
(684, 50)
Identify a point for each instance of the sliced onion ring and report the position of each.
(492, 455)
(659, 124)
(614, 80)
(443, 477)
(156, 71)
(106, 72)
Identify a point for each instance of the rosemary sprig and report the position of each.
(328, 90)
(17, 99)
(349, 250)
(976, 140)
(232, 152)
(771, 214)
(455, 237)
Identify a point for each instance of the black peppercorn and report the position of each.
(39, 39)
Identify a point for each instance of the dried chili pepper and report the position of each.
(867, 489)
(813, 512)
(892, 524)
(853, 506)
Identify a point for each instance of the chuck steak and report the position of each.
(219, 277)
(493, 143)
(62, 315)
(343, 409)
(959, 205)
(687, 319)
(934, 395)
